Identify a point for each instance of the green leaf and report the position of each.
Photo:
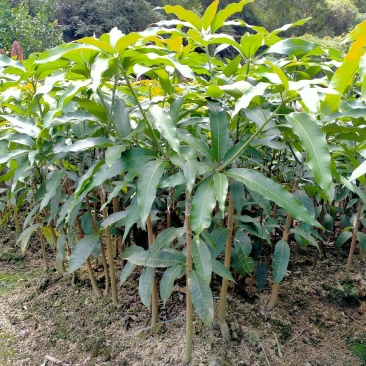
(82, 250)
(229, 10)
(164, 122)
(13, 154)
(201, 296)
(221, 185)
(219, 124)
(136, 156)
(242, 242)
(175, 108)
(120, 118)
(52, 185)
(113, 218)
(362, 240)
(305, 200)
(172, 180)
(190, 173)
(198, 145)
(23, 125)
(250, 44)
(304, 234)
(248, 95)
(262, 202)
(203, 203)
(221, 270)
(359, 171)
(7, 61)
(328, 224)
(279, 73)
(237, 191)
(271, 190)
(135, 255)
(132, 217)
(202, 260)
(99, 66)
(63, 50)
(281, 257)
(316, 147)
(126, 40)
(24, 237)
(243, 247)
(209, 14)
(292, 47)
(167, 281)
(344, 75)
(146, 283)
(164, 239)
(165, 258)
(82, 145)
(146, 188)
(260, 276)
(216, 240)
(127, 270)
(213, 91)
(343, 238)
(187, 15)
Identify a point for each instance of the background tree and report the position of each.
(32, 25)
(329, 17)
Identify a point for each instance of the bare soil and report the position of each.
(44, 320)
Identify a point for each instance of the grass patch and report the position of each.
(6, 342)
(358, 349)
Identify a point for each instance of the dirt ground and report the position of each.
(45, 321)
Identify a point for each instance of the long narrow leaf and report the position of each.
(281, 257)
(203, 203)
(271, 190)
(146, 283)
(201, 296)
(317, 153)
(219, 124)
(146, 189)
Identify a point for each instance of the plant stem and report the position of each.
(154, 294)
(16, 221)
(189, 307)
(225, 282)
(88, 262)
(81, 235)
(209, 63)
(43, 248)
(254, 135)
(354, 239)
(110, 251)
(102, 250)
(156, 140)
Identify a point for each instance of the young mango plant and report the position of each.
(344, 113)
(98, 133)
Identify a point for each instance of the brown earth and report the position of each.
(46, 321)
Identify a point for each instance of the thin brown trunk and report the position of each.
(43, 248)
(189, 307)
(354, 239)
(88, 263)
(110, 250)
(225, 282)
(102, 250)
(116, 208)
(154, 294)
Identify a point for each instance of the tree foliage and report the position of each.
(33, 27)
